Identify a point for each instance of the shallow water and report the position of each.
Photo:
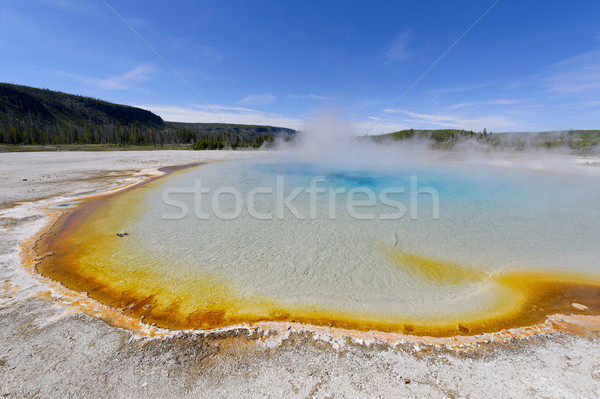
(507, 248)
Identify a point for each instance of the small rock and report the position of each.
(147, 306)
(122, 234)
(579, 306)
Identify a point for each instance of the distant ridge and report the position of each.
(47, 106)
(35, 116)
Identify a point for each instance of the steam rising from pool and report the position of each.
(454, 242)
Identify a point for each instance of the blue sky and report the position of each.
(528, 65)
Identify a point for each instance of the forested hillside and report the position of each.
(44, 117)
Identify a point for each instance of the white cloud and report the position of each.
(452, 121)
(368, 103)
(259, 99)
(463, 88)
(398, 50)
(75, 6)
(138, 24)
(372, 128)
(223, 108)
(209, 52)
(124, 81)
(309, 96)
(477, 104)
(14, 20)
(194, 113)
(188, 46)
(574, 76)
(227, 114)
(556, 95)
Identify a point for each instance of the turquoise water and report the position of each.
(433, 247)
(490, 220)
(488, 217)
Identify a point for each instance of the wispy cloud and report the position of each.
(229, 114)
(210, 52)
(382, 127)
(188, 46)
(259, 99)
(367, 103)
(125, 81)
(227, 108)
(463, 88)
(138, 24)
(551, 96)
(15, 20)
(571, 84)
(398, 50)
(309, 96)
(454, 121)
(574, 76)
(196, 113)
(478, 104)
(75, 6)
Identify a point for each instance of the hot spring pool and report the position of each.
(439, 249)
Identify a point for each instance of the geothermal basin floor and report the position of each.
(49, 349)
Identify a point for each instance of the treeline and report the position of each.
(439, 138)
(14, 132)
(226, 136)
(221, 143)
(436, 135)
(31, 116)
(216, 136)
(579, 141)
